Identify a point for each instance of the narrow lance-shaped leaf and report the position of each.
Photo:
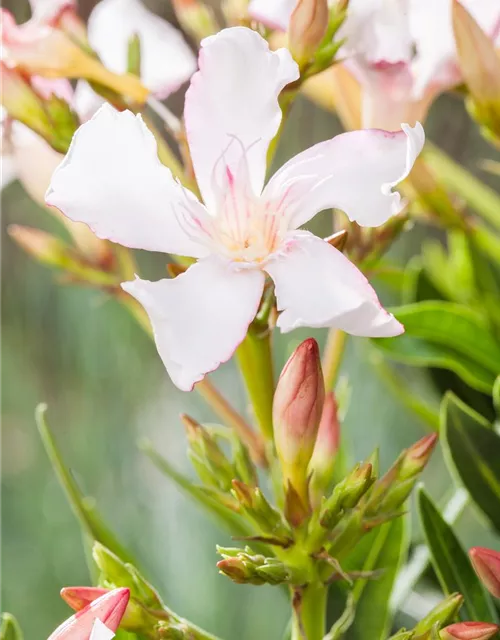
(84, 508)
(451, 563)
(472, 450)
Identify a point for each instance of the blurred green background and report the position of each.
(106, 387)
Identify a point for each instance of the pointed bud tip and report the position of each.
(424, 447)
(469, 631)
(486, 563)
(80, 597)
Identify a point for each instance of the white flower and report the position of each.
(402, 51)
(112, 180)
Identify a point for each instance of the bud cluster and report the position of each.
(247, 567)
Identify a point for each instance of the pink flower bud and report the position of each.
(297, 409)
(486, 563)
(307, 28)
(108, 609)
(327, 443)
(80, 597)
(469, 631)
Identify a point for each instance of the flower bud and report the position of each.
(297, 409)
(480, 67)
(441, 614)
(486, 563)
(246, 567)
(108, 609)
(307, 28)
(135, 617)
(469, 631)
(9, 628)
(322, 462)
(346, 494)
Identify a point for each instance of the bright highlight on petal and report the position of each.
(317, 286)
(112, 180)
(232, 107)
(166, 59)
(200, 317)
(273, 13)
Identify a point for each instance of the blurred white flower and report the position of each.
(166, 63)
(402, 51)
(112, 180)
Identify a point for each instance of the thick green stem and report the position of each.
(255, 359)
(309, 612)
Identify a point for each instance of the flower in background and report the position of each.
(98, 620)
(402, 52)
(166, 63)
(112, 180)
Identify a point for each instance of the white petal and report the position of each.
(86, 101)
(45, 11)
(166, 59)
(273, 13)
(112, 180)
(232, 106)
(317, 286)
(199, 317)
(7, 171)
(354, 171)
(101, 632)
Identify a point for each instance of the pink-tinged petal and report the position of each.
(47, 11)
(275, 14)
(201, 316)
(112, 180)
(317, 286)
(108, 609)
(378, 31)
(79, 597)
(232, 107)
(355, 172)
(166, 59)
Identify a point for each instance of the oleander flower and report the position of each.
(402, 52)
(98, 620)
(245, 231)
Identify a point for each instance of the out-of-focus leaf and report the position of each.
(472, 449)
(418, 352)
(481, 198)
(417, 285)
(226, 518)
(451, 563)
(452, 325)
(83, 507)
(496, 395)
(387, 553)
(9, 628)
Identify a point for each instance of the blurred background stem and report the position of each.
(332, 356)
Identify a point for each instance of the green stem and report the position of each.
(255, 360)
(309, 612)
(332, 357)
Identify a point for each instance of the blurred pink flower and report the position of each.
(402, 51)
(97, 621)
(112, 180)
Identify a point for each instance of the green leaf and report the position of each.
(451, 563)
(9, 628)
(386, 551)
(83, 507)
(418, 352)
(452, 325)
(472, 450)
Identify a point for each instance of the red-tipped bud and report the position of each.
(308, 25)
(486, 563)
(322, 461)
(108, 609)
(469, 631)
(80, 597)
(297, 408)
(417, 456)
